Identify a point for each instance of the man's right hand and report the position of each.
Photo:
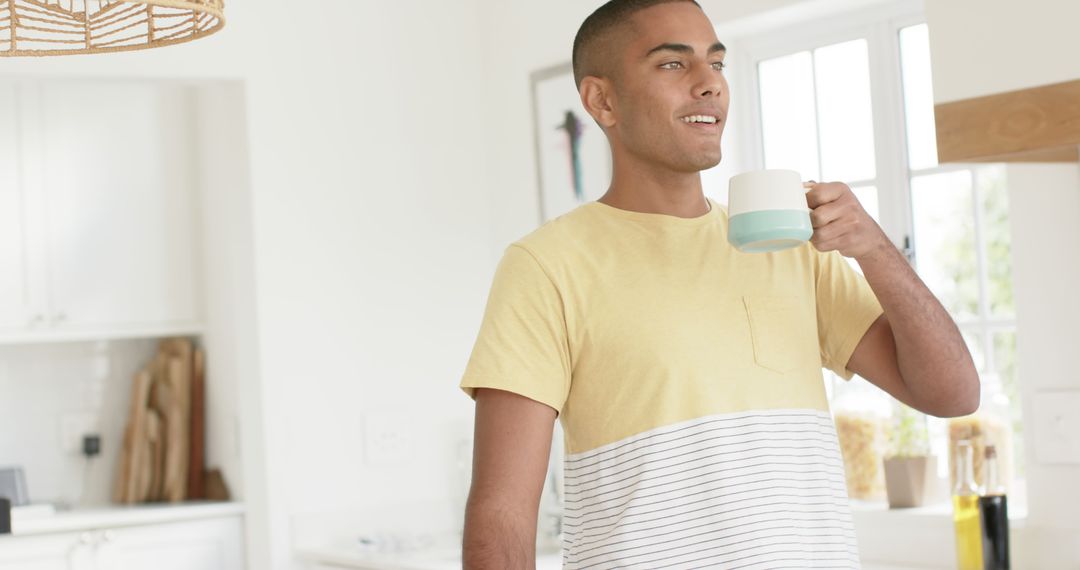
(511, 447)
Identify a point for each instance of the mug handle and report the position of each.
(808, 185)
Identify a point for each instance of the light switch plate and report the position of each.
(1057, 426)
(387, 441)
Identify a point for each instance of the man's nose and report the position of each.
(709, 82)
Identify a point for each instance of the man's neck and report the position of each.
(674, 194)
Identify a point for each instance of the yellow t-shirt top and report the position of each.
(663, 349)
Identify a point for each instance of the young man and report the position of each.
(687, 375)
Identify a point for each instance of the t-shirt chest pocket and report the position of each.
(782, 328)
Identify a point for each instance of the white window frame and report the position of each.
(880, 26)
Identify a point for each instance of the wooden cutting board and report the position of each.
(160, 400)
(164, 440)
(180, 377)
(134, 438)
(198, 427)
(144, 469)
(176, 432)
(156, 438)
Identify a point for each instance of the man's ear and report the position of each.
(598, 98)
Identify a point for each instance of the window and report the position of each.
(856, 104)
(825, 132)
(962, 242)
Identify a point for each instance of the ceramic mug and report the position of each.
(767, 211)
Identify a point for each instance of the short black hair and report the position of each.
(597, 27)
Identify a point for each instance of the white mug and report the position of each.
(767, 211)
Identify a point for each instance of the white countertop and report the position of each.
(119, 516)
(434, 559)
(353, 543)
(441, 559)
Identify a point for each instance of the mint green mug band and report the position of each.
(769, 230)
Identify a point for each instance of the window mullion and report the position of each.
(980, 247)
(889, 132)
(817, 116)
(753, 134)
(988, 350)
(983, 271)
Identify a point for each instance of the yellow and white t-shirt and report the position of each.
(688, 380)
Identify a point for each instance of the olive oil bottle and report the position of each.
(966, 517)
(994, 510)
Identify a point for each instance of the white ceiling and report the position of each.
(736, 17)
(728, 10)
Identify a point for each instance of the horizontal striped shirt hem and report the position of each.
(761, 489)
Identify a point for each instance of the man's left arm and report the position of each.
(914, 351)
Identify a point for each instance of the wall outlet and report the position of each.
(73, 426)
(386, 441)
(1057, 427)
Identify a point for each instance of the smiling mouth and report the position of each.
(700, 120)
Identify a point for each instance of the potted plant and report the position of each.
(910, 470)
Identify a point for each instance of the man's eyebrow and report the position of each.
(679, 48)
(685, 49)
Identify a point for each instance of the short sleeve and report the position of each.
(522, 344)
(846, 307)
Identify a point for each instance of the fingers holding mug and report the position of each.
(822, 215)
(823, 192)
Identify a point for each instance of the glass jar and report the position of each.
(862, 417)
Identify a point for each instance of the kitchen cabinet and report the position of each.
(211, 544)
(69, 551)
(99, 211)
(15, 303)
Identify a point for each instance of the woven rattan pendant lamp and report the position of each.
(62, 27)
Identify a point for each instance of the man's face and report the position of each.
(671, 94)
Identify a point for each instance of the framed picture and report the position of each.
(572, 155)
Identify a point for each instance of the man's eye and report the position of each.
(718, 66)
(671, 65)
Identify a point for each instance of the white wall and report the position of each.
(982, 47)
(371, 237)
(1044, 204)
(234, 394)
(521, 37)
(372, 240)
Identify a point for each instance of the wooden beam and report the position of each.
(1060, 154)
(1040, 124)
